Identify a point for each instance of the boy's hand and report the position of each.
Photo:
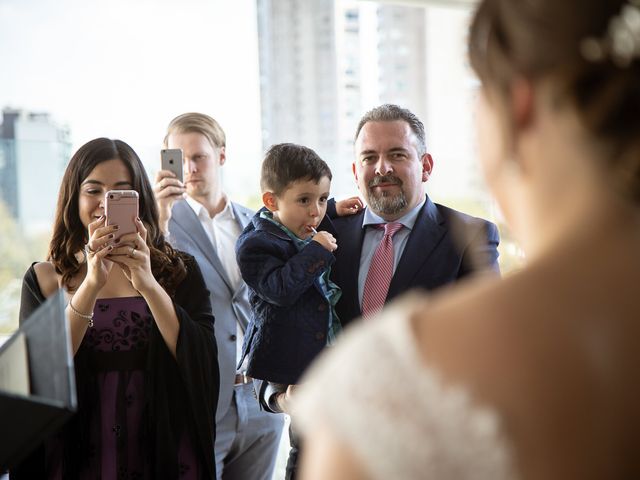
(349, 206)
(327, 240)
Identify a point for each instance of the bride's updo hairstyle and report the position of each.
(589, 50)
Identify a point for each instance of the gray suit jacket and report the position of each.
(229, 306)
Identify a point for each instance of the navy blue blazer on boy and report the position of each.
(290, 312)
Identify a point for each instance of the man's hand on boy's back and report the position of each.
(327, 240)
(349, 206)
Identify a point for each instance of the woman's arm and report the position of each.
(80, 307)
(81, 304)
(164, 314)
(135, 261)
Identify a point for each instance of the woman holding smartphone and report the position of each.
(141, 330)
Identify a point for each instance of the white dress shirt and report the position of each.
(373, 236)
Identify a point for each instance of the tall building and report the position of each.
(33, 154)
(324, 62)
(401, 57)
(298, 73)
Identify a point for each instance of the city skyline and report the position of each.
(324, 63)
(124, 69)
(31, 142)
(112, 78)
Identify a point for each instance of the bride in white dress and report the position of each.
(535, 376)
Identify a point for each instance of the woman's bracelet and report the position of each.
(88, 318)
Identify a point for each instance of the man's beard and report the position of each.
(386, 202)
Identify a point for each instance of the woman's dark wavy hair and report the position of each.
(70, 236)
(542, 39)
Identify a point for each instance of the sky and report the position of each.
(124, 68)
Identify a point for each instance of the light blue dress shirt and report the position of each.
(373, 236)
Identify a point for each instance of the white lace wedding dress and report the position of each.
(395, 414)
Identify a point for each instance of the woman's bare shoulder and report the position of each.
(48, 278)
(462, 324)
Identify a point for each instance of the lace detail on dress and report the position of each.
(396, 415)
(121, 324)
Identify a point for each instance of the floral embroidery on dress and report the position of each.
(127, 330)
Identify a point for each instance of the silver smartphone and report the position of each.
(172, 160)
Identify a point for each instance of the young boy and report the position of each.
(286, 262)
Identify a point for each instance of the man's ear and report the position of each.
(270, 201)
(427, 166)
(355, 172)
(223, 155)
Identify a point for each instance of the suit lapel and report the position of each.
(351, 236)
(425, 236)
(242, 217)
(184, 216)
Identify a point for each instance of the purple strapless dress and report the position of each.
(118, 343)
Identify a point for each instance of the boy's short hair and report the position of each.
(286, 163)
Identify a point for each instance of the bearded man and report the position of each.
(401, 240)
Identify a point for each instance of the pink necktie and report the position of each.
(380, 272)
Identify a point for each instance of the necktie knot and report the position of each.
(390, 228)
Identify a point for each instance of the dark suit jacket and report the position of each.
(444, 246)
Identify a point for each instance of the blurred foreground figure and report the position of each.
(534, 376)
